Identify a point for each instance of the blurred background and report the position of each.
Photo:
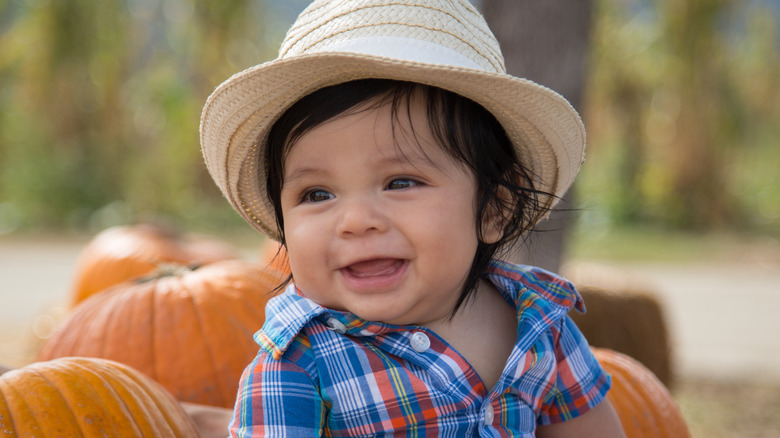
(100, 104)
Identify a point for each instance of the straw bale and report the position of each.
(624, 315)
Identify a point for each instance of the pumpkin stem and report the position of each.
(167, 269)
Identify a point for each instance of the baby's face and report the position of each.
(380, 227)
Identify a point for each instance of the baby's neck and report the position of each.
(483, 331)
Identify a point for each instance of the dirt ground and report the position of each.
(722, 317)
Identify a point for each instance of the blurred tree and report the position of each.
(698, 151)
(101, 100)
(674, 113)
(545, 41)
(620, 90)
(62, 106)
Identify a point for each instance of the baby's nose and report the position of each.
(360, 216)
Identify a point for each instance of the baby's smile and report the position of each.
(376, 267)
(375, 273)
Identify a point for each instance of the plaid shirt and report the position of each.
(325, 373)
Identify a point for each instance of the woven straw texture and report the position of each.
(333, 42)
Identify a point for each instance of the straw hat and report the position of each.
(444, 43)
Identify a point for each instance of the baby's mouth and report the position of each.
(374, 267)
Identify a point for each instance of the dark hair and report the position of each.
(466, 130)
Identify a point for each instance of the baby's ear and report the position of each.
(495, 217)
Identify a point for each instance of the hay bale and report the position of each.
(624, 317)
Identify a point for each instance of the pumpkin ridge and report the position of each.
(138, 306)
(632, 400)
(647, 395)
(154, 313)
(246, 306)
(137, 300)
(164, 410)
(20, 397)
(202, 327)
(61, 376)
(67, 342)
(643, 403)
(8, 405)
(245, 318)
(143, 400)
(106, 383)
(93, 334)
(59, 394)
(254, 315)
(111, 317)
(231, 312)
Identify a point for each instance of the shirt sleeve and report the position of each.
(277, 398)
(581, 383)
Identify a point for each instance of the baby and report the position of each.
(389, 152)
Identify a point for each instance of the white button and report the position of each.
(337, 326)
(489, 414)
(420, 342)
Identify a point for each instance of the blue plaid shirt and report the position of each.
(325, 373)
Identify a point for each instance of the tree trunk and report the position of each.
(545, 41)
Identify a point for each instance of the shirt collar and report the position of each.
(523, 286)
(516, 281)
(289, 312)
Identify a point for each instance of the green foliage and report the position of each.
(683, 115)
(100, 104)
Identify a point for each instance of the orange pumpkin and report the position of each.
(189, 329)
(644, 405)
(87, 397)
(117, 254)
(274, 256)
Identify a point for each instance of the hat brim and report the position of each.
(546, 131)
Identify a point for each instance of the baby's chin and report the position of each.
(385, 311)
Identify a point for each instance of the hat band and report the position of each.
(406, 49)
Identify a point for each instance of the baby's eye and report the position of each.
(316, 196)
(401, 183)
